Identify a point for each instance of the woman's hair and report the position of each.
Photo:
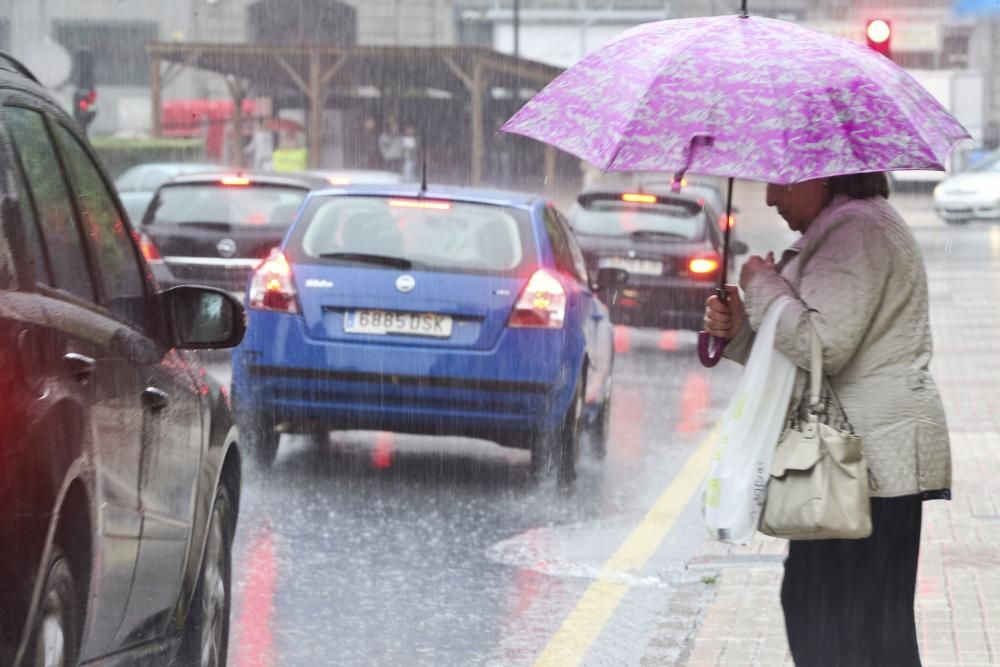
(860, 186)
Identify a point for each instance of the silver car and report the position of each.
(972, 194)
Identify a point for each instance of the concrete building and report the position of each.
(45, 33)
(927, 34)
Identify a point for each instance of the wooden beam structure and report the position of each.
(155, 95)
(238, 92)
(313, 68)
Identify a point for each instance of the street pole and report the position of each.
(517, 29)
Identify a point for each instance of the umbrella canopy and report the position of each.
(741, 97)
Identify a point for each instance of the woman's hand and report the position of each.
(725, 320)
(753, 266)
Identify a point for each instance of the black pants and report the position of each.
(849, 603)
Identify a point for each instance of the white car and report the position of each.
(972, 194)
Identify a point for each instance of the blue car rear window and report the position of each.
(430, 234)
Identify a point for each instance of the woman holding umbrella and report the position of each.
(820, 119)
(856, 276)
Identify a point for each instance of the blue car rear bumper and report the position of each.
(522, 386)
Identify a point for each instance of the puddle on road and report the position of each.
(577, 550)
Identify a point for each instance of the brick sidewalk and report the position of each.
(958, 583)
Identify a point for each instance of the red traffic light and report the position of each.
(83, 106)
(878, 32)
(86, 100)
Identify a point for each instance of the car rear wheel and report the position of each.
(319, 440)
(206, 632)
(259, 439)
(597, 432)
(558, 451)
(55, 636)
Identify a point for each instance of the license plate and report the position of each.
(645, 267)
(381, 323)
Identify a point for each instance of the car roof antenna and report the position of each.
(423, 169)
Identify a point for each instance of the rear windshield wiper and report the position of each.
(652, 233)
(212, 226)
(365, 258)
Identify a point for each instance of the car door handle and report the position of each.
(81, 367)
(155, 399)
(597, 317)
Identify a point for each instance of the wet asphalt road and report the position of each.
(381, 549)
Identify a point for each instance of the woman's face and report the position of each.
(799, 204)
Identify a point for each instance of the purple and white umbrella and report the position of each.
(739, 97)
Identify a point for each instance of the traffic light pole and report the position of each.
(85, 91)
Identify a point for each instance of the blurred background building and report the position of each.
(927, 35)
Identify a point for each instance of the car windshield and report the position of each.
(254, 204)
(990, 163)
(613, 217)
(427, 234)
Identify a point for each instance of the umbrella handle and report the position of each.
(710, 349)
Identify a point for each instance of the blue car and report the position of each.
(452, 311)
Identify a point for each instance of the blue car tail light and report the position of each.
(542, 303)
(271, 287)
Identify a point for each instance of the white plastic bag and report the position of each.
(746, 437)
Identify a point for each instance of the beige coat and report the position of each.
(858, 276)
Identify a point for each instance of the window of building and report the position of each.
(475, 32)
(119, 48)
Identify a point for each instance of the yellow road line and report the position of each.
(570, 644)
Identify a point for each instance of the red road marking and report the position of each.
(623, 339)
(668, 341)
(382, 454)
(694, 401)
(254, 640)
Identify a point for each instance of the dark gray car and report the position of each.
(119, 467)
(670, 244)
(213, 229)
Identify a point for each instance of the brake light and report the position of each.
(704, 264)
(420, 203)
(542, 303)
(722, 222)
(148, 249)
(338, 180)
(636, 198)
(271, 287)
(234, 180)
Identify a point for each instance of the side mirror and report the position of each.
(202, 318)
(739, 247)
(610, 278)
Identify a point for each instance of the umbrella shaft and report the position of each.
(725, 242)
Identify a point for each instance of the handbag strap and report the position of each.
(817, 406)
(815, 368)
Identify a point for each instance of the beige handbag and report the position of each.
(818, 488)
